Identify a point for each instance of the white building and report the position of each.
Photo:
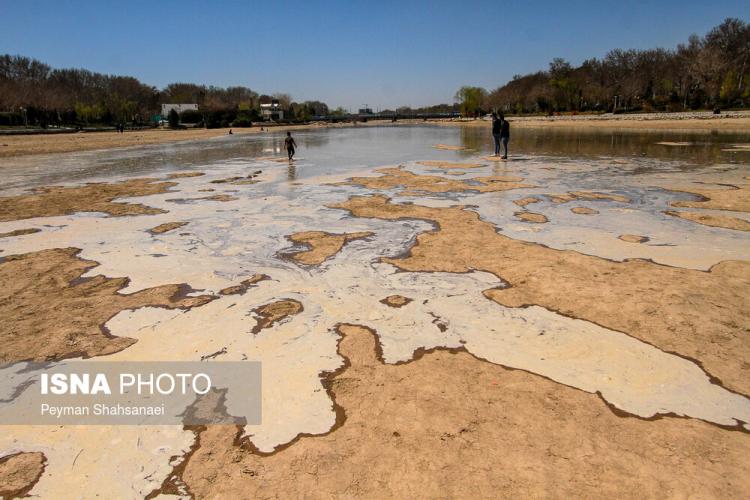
(166, 108)
(272, 110)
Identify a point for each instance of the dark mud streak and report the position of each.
(166, 228)
(20, 232)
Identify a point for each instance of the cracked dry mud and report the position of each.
(321, 245)
(51, 313)
(700, 315)
(57, 200)
(498, 432)
(19, 472)
(723, 221)
(531, 217)
(413, 183)
(275, 312)
(509, 432)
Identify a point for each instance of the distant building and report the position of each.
(166, 108)
(271, 110)
(365, 111)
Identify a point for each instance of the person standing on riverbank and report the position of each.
(290, 145)
(501, 133)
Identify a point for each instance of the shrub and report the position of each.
(242, 122)
(174, 119)
(191, 116)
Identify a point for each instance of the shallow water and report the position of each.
(330, 151)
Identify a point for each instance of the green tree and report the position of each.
(471, 100)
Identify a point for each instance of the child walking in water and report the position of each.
(290, 145)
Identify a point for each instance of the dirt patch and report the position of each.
(20, 232)
(531, 217)
(239, 180)
(448, 147)
(21, 145)
(215, 197)
(449, 164)
(587, 195)
(413, 183)
(526, 201)
(321, 245)
(219, 197)
(168, 226)
(95, 197)
(275, 312)
(181, 175)
(396, 301)
(50, 312)
(633, 238)
(584, 211)
(505, 433)
(19, 473)
(723, 221)
(702, 315)
(244, 285)
(733, 198)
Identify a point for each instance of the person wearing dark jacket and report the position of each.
(501, 133)
(496, 129)
(290, 145)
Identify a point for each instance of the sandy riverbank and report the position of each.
(23, 145)
(693, 121)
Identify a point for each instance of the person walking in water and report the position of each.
(496, 128)
(290, 145)
(501, 133)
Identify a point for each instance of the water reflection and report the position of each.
(704, 146)
(330, 151)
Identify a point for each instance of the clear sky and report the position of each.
(382, 53)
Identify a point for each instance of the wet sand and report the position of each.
(23, 145)
(510, 434)
(408, 324)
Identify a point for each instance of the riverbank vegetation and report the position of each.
(34, 94)
(704, 73)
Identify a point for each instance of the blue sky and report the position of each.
(383, 53)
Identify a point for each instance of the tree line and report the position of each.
(34, 94)
(706, 72)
